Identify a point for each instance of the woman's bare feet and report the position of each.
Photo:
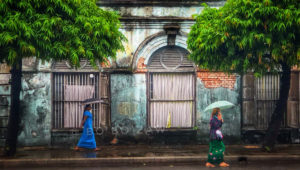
(223, 164)
(78, 148)
(97, 149)
(209, 165)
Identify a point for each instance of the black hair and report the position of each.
(86, 106)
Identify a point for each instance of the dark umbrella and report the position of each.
(91, 101)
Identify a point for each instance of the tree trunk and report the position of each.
(14, 117)
(281, 105)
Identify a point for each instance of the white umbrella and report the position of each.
(219, 104)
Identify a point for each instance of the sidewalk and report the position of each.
(144, 154)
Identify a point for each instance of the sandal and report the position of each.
(209, 165)
(223, 164)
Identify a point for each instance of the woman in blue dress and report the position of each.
(87, 139)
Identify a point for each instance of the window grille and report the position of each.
(171, 89)
(70, 89)
(172, 100)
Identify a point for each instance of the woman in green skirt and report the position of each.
(216, 145)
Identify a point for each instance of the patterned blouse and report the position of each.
(215, 124)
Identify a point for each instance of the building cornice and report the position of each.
(154, 19)
(154, 22)
(168, 3)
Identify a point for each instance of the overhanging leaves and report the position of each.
(247, 35)
(59, 30)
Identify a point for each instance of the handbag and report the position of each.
(219, 134)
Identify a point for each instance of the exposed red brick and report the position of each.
(295, 68)
(216, 79)
(141, 67)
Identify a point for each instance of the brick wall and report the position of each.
(216, 79)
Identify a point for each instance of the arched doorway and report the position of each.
(171, 89)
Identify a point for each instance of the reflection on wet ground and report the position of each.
(110, 151)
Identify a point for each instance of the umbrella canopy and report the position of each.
(91, 101)
(219, 104)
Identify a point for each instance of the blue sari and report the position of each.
(87, 139)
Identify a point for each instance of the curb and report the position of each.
(92, 162)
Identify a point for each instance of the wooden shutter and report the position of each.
(249, 112)
(172, 99)
(267, 90)
(293, 101)
(170, 58)
(171, 89)
(105, 96)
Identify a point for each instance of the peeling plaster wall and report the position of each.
(135, 37)
(35, 128)
(232, 117)
(128, 91)
(128, 104)
(128, 107)
(158, 11)
(137, 31)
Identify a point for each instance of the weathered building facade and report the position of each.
(150, 93)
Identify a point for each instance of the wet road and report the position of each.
(234, 166)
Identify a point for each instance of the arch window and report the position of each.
(171, 89)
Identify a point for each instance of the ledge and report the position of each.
(168, 3)
(155, 19)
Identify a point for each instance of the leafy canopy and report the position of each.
(59, 30)
(257, 35)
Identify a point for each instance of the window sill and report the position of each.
(172, 130)
(73, 130)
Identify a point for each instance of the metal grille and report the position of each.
(172, 99)
(69, 89)
(266, 95)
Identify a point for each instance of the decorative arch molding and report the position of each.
(155, 42)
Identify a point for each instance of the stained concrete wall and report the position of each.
(36, 114)
(35, 103)
(128, 104)
(146, 10)
(232, 117)
(129, 114)
(126, 95)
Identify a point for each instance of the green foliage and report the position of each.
(256, 35)
(59, 30)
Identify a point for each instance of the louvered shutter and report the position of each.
(170, 58)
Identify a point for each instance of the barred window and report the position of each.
(171, 89)
(68, 92)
